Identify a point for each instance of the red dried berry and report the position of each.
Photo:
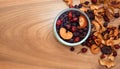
(94, 1)
(77, 39)
(116, 46)
(84, 50)
(68, 26)
(74, 28)
(70, 15)
(116, 15)
(102, 56)
(114, 53)
(75, 19)
(72, 49)
(59, 22)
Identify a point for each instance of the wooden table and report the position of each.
(27, 40)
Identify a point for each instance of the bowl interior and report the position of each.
(67, 43)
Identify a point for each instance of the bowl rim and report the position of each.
(67, 43)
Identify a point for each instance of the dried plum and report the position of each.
(106, 50)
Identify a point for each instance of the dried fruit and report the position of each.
(84, 50)
(59, 22)
(65, 34)
(106, 50)
(77, 39)
(94, 1)
(116, 46)
(102, 56)
(116, 15)
(95, 49)
(72, 49)
(108, 61)
(86, 2)
(70, 15)
(114, 53)
(82, 21)
(74, 28)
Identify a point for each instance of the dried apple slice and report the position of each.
(65, 35)
(82, 21)
(95, 49)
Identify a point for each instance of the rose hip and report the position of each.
(114, 53)
(70, 15)
(75, 19)
(59, 22)
(74, 28)
(102, 56)
(94, 1)
(84, 50)
(116, 46)
(72, 49)
(76, 39)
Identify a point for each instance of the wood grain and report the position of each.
(27, 40)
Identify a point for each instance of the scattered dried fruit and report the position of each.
(84, 50)
(106, 50)
(95, 49)
(72, 49)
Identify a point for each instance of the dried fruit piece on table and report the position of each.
(108, 61)
(116, 15)
(72, 49)
(96, 25)
(84, 50)
(82, 21)
(95, 49)
(109, 42)
(106, 50)
(65, 34)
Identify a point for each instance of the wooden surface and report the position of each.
(27, 40)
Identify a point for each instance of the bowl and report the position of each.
(58, 37)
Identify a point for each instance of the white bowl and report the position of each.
(67, 43)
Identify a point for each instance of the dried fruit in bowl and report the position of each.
(65, 34)
(82, 21)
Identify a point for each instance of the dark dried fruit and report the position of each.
(70, 15)
(114, 53)
(75, 19)
(80, 5)
(76, 34)
(68, 26)
(90, 14)
(72, 49)
(59, 22)
(105, 24)
(106, 18)
(116, 46)
(118, 35)
(86, 2)
(84, 50)
(77, 7)
(94, 1)
(116, 15)
(102, 56)
(119, 27)
(77, 39)
(106, 50)
(74, 28)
